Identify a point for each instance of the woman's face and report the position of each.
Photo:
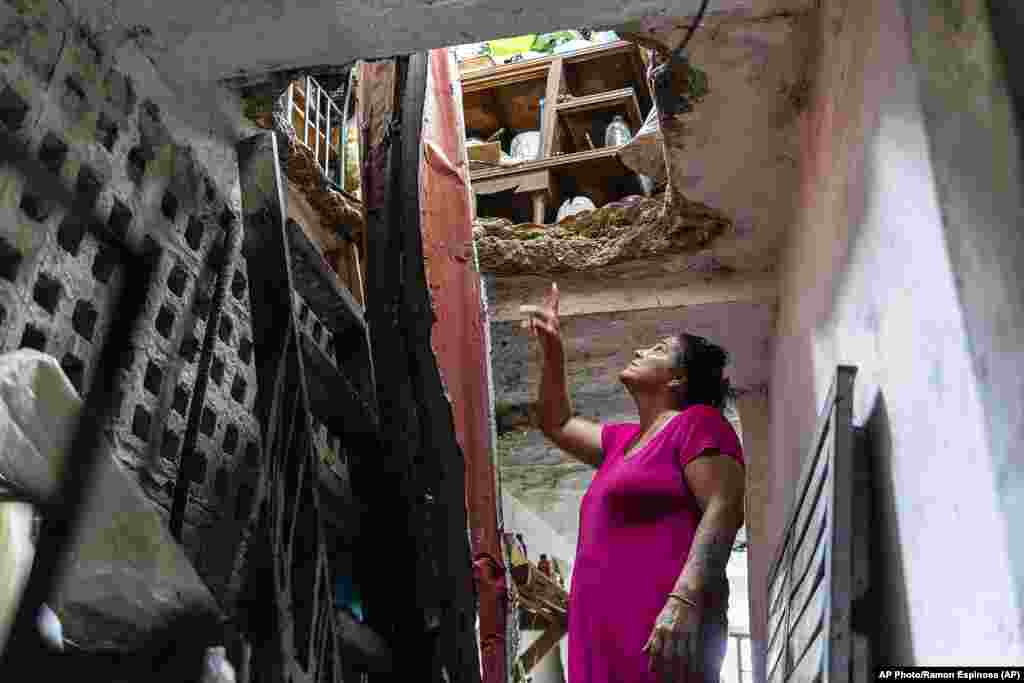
(653, 366)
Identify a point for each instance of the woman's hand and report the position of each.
(543, 323)
(674, 645)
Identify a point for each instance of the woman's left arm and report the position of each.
(717, 481)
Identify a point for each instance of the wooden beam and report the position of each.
(579, 158)
(530, 69)
(520, 73)
(540, 205)
(624, 98)
(333, 397)
(319, 286)
(540, 647)
(520, 182)
(554, 87)
(582, 294)
(640, 74)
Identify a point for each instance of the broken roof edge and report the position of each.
(628, 230)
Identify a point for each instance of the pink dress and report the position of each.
(637, 522)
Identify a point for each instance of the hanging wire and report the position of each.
(693, 26)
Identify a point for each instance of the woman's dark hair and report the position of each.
(704, 363)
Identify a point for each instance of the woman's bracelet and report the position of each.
(686, 600)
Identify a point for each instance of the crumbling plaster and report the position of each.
(733, 159)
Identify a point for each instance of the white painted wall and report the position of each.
(867, 281)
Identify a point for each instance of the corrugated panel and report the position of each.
(458, 336)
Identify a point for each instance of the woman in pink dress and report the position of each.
(649, 592)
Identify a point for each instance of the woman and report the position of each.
(657, 524)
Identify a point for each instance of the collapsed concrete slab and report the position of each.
(632, 229)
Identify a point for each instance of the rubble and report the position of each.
(634, 228)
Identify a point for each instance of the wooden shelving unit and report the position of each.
(582, 91)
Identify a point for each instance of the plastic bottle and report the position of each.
(617, 133)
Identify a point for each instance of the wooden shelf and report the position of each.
(616, 101)
(532, 69)
(582, 92)
(598, 173)
(592, 114)
(319, 286)
(595, 157)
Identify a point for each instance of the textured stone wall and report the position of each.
(82, 107)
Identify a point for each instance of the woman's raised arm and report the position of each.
(576, 436)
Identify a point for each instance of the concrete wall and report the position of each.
(973, 101)
(97, 113)
(867, 280)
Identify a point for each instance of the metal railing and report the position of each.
(320, 124)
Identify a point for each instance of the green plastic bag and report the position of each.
(506, 47)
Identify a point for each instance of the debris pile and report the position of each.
(634, 228)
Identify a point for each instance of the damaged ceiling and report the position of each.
(738, 160)
(207, 41)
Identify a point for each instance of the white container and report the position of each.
(617, 133)
(526, 146)
(571, 207)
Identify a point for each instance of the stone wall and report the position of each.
(96, 115)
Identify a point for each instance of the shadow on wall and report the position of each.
(887, 615)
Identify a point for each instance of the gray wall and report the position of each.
(97, 109)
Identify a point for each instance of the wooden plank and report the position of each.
(624, 99)
(502, 74)
(579, 159)
(356, 274)
(319, 286)
(521, 182)
(332, 396)
(505, 75)
(540, 647)
(809, 668)
(640, 74)
(554, 87)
